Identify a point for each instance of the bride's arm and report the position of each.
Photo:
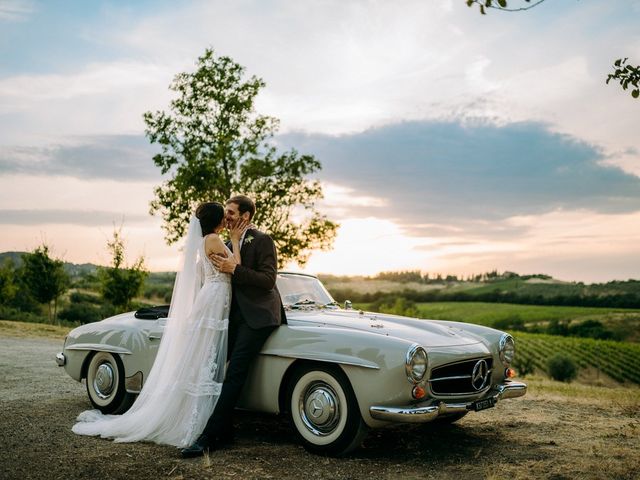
(213, 245)
(235, 233)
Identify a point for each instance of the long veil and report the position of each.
(189, 276)
(184, 382)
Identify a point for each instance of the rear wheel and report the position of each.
(324, 410)
(105, 384)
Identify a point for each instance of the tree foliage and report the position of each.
(626, 75)
(45, 278)
(8, 287)
(483, 5)
(214, 145)
(562, 368)
(119, 284)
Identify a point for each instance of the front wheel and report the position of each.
(324, 410)
(105, 384)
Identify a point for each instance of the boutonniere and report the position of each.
(248, 239)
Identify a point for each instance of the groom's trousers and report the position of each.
(244, 345)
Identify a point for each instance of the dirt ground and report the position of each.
(542, 435)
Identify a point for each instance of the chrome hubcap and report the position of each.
(103, 381)
(319, 409)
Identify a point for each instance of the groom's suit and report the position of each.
(256, 310)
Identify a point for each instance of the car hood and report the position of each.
(424, 332)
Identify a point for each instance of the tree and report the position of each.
(625, 74)
(45, 278)
(214, 145)
(8, 287)
(120, 284)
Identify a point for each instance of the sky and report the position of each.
(450, 142)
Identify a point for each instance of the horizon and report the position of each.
(450, 141)
(432, 275)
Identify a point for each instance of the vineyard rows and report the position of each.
(618, 360)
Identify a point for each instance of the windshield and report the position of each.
(303, 290)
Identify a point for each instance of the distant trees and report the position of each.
(119, 284)
(45, 278)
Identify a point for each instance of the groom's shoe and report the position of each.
(201, 446)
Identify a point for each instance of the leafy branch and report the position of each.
(627, 75)
(501, 5)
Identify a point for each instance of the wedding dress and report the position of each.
(185, 381)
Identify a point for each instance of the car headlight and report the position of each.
(416, 363)
(507, 349)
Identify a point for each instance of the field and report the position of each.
(491, 313)
(557, 431)
(598, 359)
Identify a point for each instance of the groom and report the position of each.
(256, 310)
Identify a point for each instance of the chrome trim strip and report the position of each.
(457, 377)
(458, 394)
(428, 413)
(99, 347)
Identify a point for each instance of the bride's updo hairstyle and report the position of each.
(210, 215)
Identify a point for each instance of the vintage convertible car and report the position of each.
(335, 371)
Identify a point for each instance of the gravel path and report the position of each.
(530, 437)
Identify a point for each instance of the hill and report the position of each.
(495, 288)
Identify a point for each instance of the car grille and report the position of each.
(456, 378)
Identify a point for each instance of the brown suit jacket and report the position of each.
(254, 282)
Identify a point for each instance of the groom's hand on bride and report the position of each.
(224, 263)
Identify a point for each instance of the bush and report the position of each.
(80, 297)
(82, 313)
(562, 368)
(512, 322)
(591, 329)
(523, 366)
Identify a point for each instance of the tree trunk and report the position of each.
(55, 311)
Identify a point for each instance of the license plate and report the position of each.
(483, 404)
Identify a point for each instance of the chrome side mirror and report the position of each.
(348, 305)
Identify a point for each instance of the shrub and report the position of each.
(82, 313)
(524, 366)
(512, 322)
(562, 368)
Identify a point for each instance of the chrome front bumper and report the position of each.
(426, 413)
(60, 359)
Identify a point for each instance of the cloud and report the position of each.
(85, 218)
(447, 172)
(125, 158)
(15, 10)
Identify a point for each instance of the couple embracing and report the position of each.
(223, 308)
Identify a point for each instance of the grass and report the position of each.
(623, 396)
(12, 328)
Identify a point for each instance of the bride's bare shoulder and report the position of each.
(214, 244)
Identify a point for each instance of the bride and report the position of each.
(184, 383)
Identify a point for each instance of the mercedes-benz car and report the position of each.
(335, 371)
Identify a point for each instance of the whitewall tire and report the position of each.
(324, 410)
(105, 384)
